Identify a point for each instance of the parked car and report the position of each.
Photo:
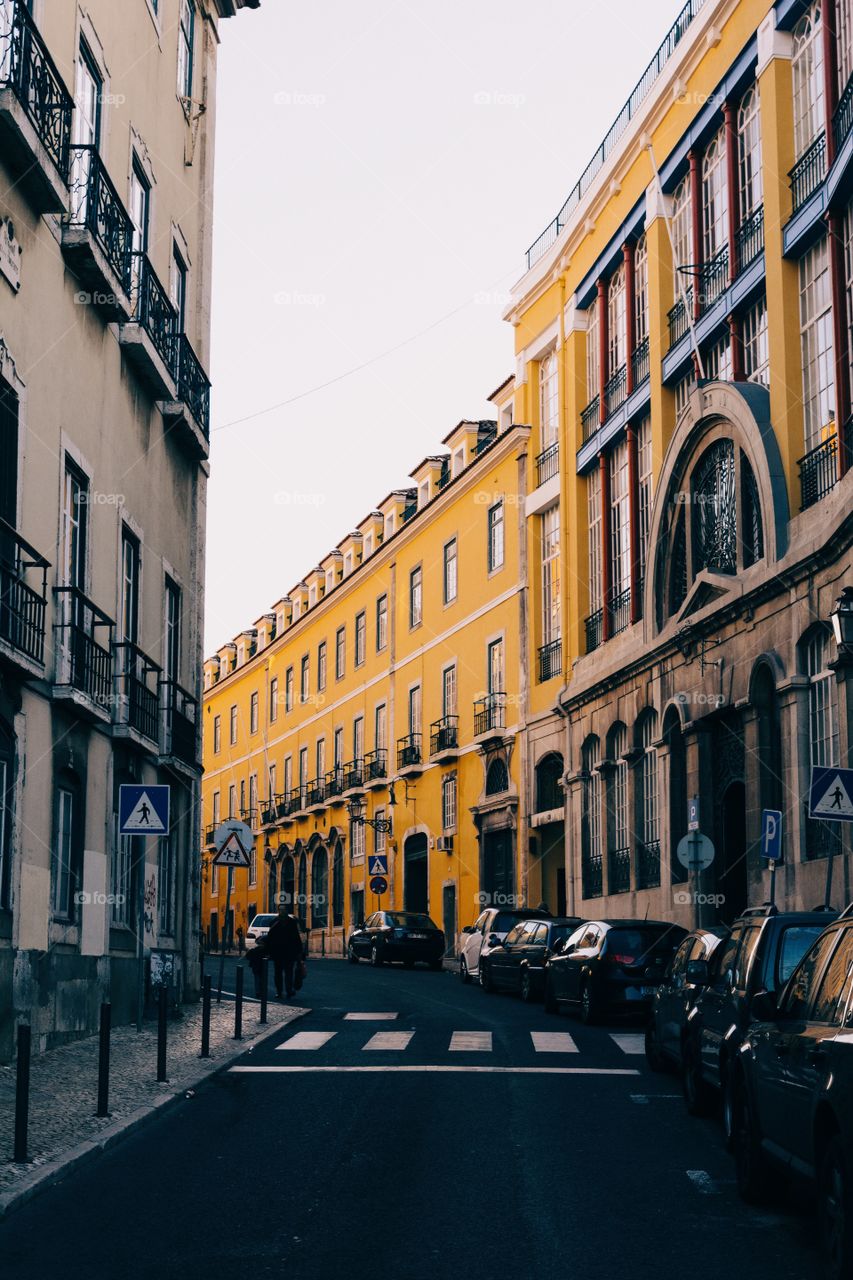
(407, 936)
(259, 928)
(792, 1086)
(760, 954)
(487, 932)
(518, 963)
(611, 966)
(675, 997)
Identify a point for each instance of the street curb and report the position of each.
(48, 1175)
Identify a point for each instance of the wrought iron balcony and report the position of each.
(22, 602)
(678, 317)
(842, 121)
(210, 834)
(84, 665)
(620, 611)
(444, 735)
(180, 723)
(137, 697)
(749, 242)
(97, 236)
(317, 791)
(648, 864)
(713, 279)
(299, 799)
(268, 811)
(592, 627)
(822, 839)
(193, 384)
(38, 128)
(150, 338)
(551, 660)
(409, 751)
(808, 173)
(376, 765)
(615, 390)
(334, 781)
(640, 363)
(548, 463)
(818, 472)
(354, 773)
(590, 419)
(619, 871)
(592, 875)
(284, 805)
(489, 713)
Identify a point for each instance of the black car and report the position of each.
(760, 954)
(611, 966)
(792, 1086)
(675, 997)
(408, 936)
(518, 963)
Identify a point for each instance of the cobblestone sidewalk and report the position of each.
(63, 1127)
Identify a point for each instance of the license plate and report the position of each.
(647, 991)
(417, 935)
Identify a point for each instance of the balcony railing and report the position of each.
(444, 735)
(284, 804)
(27, 68)
(592, 875)
(354, 773)
(85, 665)
(749, 242)
(808, 173)
(298, 799)
(444, 478)
(842, 121)
(317, 791)
(592, 627)
(153, 310)
(485, 438)
(376, 764)
(193, 384)
(410, 509)
(97, 208)
(713, 279)
(408, 751)
(489, 713)
(210, 833)
(818, 472)
(615, 390)
(335, 781)
(551, 660)
(822, 839)
(678, 317)
(548, 463)
(648, 864)
(138, 699)
(180, 712)
(619, 871)
(22, 604)
(640, 363)
(620, 611)
(590, 419)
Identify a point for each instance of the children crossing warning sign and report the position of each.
(232, 853)
(831, 794)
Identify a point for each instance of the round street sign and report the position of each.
(695, 851)
(233, 826)
(378, 885)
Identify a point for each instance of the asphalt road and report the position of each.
(333, 1161)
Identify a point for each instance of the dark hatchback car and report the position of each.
(760, 954)
(675, 997)
(518, 963)
(407, 936)
(611, 966)
(792, 1084)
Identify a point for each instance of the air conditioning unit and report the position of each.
(445, 843)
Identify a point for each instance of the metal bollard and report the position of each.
(22, 1094)
(238, 1003)
(104, 1061)
(162, 1023)
(265, 977)
(205, 1017)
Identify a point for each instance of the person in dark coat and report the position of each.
(284, 948)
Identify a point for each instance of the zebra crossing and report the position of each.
(480, 1042)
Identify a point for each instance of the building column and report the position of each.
(736, 344)
(634, 520)
(603, 348)
(604, 471)
(630, 337)
(696, 228)
(829, 49)
(730, 118)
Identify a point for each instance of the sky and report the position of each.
(381, 168)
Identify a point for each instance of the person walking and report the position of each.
(285, 949)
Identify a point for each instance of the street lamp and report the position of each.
(841, 618)
(358, 818)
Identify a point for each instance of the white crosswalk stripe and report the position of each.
(369, 1017)
(553, 1042)
(471, 1042)
(629, 1041)
(308, 1040)
(389, 1040)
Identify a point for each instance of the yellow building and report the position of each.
(386, 687)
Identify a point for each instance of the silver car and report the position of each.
(487, 932)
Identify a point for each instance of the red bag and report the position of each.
(299, 974)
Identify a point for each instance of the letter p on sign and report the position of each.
(771, 835)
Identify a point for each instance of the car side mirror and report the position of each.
(494, 940)
(764, 1007)
(698, 973)
(469, 928)
(557, 946)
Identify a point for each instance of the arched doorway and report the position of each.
(319, 888)
(287, 882)
(416, 873)
(272, 888)
(731, 865)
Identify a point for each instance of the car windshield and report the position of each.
(795, 942)
(261, 922)
(504, 921)
(630, 945)
(409, 920)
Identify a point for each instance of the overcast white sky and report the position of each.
(381, 169)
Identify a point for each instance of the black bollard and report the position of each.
(238, 1003)
(162, 1023)
(104, 1061)
(265, 977)
(205, 1017)
(22, 1094)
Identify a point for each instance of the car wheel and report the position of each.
(589, 1005)
(835, 1212)
(485, 977)
(751, 1165)
(697, 1095)
(526, 987)
(351, 954)
(375, 956)
(463, 971)
(654, 1057)
(552, 1004)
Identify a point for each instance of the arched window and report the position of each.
(319, 888)
(641, 290)
(752, 535)
(591, 868)
(715, 202)
(823, 708)
(619, 859)
(807, 71)
(549, 403)
(288, 882)
(302, 892)
(750, 183)
(68, 847)
(549, 776)
(648, 848)
(272, 886)
(337, 884)
(7, 792)
(616, 322)
(497, 777)
(714, 510)
(592, 351)
(766, 702)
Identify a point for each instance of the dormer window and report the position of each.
(297, 609)
(347, 564)
(389, 524)
(312, 595)
(241, 655)
(368, 544)
(458, 460)
(330, 580)
(423, 493)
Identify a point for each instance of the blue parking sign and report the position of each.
(771, 835)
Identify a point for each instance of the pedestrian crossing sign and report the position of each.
(831, 794)
(143, 810)
(378, 864)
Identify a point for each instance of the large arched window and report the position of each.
(714, 197)
(288, 882)
(750, 183)
(591, 842)
(714, 510)
(592, 337)
(681, 227)
(618, 840)
(319, 888)
(302, 890)
(549, 777)
(648, 846)
(497, 777)
(641, 290)
(807, 71)
(616, 322)
(272, 886)
(337, 884)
